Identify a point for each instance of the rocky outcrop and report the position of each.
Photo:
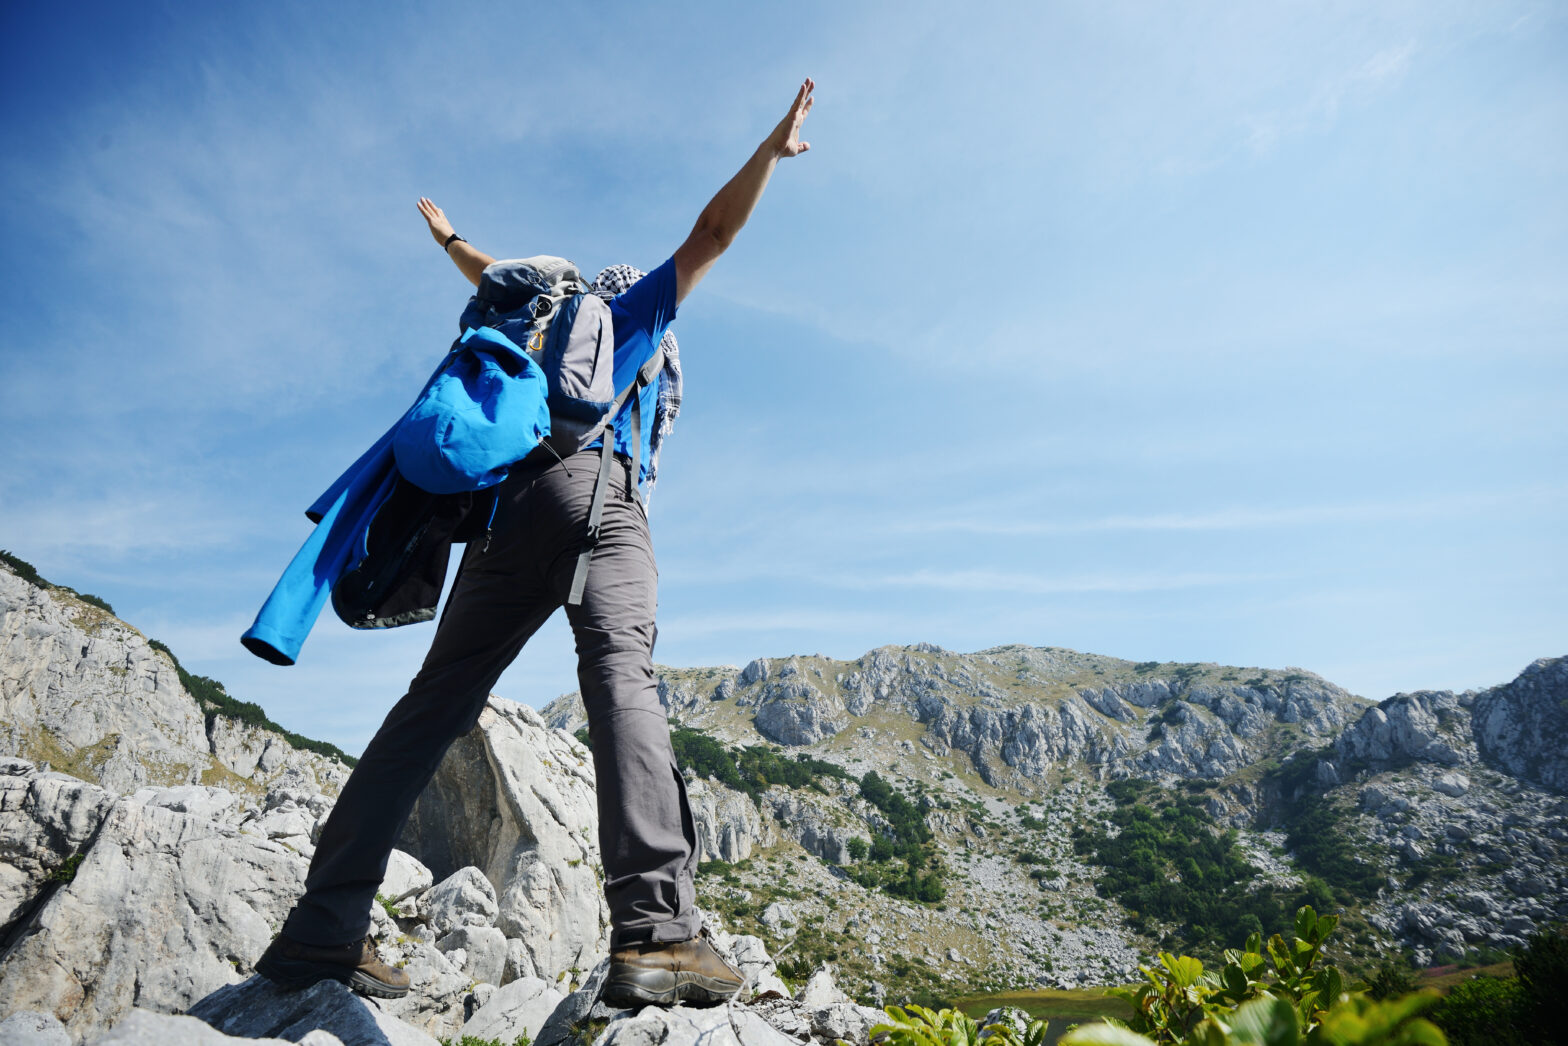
(1421, 727)
(1030, 739)
(163, 908)
(46, 819)
(1522, 727)
(256, 1009)
(793, 712)
(87, 694)
(729, 826)
(515, 800)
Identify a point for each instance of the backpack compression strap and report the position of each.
(645, 374)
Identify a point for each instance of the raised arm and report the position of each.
(470, 261)
(722, 219)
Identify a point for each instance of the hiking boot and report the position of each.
(290, 964)
(666, 972)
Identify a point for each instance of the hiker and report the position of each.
(506, 589)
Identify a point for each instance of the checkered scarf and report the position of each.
(609, 283)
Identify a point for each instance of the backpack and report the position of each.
(534, 366)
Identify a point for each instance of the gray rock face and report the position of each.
(1029, 738)
(1522, 726)
(164, 908)
(84, 691)
(30, 1028)
(144, 1028)
(793, 712)
(91, 684)
(464, 898)
(45, 818)
(728, 824)
(1420, 727)
(257, 1009)
(516, 800)
(518, 1008)
(482, 950)
(822, 827)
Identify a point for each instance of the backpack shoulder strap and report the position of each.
(645, 374)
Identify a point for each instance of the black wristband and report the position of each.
(449, 240)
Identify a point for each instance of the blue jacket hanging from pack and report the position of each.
(536, 364)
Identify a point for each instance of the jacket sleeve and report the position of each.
(291, 610)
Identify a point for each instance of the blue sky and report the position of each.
(1173, 332)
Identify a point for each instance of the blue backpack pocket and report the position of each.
(484, 411)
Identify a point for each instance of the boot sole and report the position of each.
(295, 974)
(665, 988)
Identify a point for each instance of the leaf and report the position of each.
(1265, 1022)
(1185, 971)
(1306, 921)
(1103, 1035)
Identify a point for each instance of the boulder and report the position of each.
(145, 1028)
(515, 799)
(30, 1028)
(164, 908)
(483, 949)
(464, 898)
(693, 1026)
(257, 1009)
(45, 819)
(405, 877)
(518, 1008)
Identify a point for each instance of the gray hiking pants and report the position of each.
(646, 835)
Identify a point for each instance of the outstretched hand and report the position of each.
(785, 139)
(440, 228)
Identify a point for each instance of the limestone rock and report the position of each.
(145, 1028)
(1522, 727)
(30, 1028)
(728, 825)
(464, 898)
(516, 800)
(518, 1008)
(483, 949)
(405, 877)
(164, 908)
(45, 818)
(693, 1026)
(88, 693)
(257, 1009)
(793, 712)
(436, 993)
(1421, 727)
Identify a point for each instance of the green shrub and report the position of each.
(1391, 979)
(1484, 1011)
(97, 601)
(23, 569)
(1280, 994)
(1542, 967)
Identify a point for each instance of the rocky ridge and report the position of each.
(83, 692)
(1009, 749)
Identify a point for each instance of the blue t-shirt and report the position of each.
(641, 313)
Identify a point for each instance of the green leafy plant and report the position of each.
(67, 870)
(916, 1025)
(1279, 993)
